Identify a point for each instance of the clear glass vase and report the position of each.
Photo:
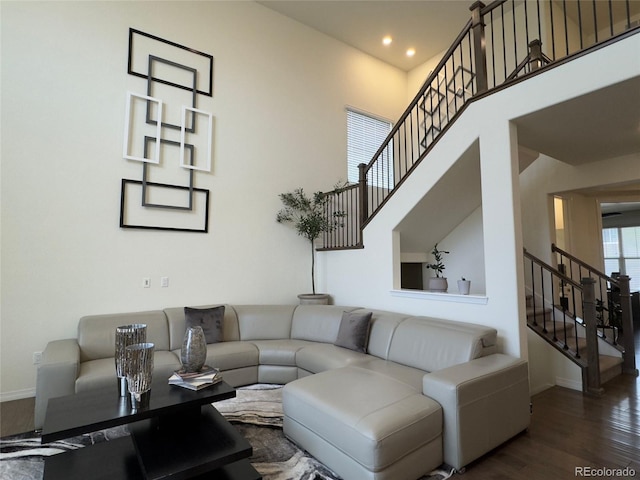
(139, 369)
(127, 335)
(194, 349)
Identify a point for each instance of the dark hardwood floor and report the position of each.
(568, 431)
(16, 416)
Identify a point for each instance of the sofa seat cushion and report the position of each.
(230, 355)
(370, 417)
(318, 357)
(408, 375)
(279, 352)
(102, 373)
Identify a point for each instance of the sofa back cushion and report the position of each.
(264, 322)
(317, 323)
(97, 333)
(177, 324)
(383, 324)
(434, 344)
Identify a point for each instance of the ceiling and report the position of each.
(601, 124)
(428, 26)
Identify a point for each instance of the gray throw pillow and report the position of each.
(210, 319)
(354, 331)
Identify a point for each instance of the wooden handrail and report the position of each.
(553, 270)
(582, 263)
(433, 76)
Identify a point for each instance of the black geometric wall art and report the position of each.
(146, 44)
(152, 87)
(185, 203)
(175, 75)
(134, 215)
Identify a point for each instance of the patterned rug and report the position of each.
(256, 412)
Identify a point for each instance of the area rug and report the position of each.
(256, 412)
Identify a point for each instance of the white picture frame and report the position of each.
(128, 124)
(209, 139)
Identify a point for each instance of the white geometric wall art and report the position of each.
(136, 128)
(201, 158)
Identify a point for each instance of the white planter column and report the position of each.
(503, 233)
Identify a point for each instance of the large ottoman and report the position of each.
(363, 424)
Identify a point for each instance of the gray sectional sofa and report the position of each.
(426, 391)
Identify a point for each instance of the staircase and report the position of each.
(499, 46)
(567, 339)
(568, 315)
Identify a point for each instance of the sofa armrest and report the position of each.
(485, 402)
(57, 374)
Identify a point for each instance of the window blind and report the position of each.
(365, 134)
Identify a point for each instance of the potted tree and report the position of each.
(308, 214)
(437, 283)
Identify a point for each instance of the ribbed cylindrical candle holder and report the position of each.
(139, 369)
(127, 335)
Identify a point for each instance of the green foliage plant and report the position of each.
(309, 216)
(438, 265)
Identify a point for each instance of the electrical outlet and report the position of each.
(37, 358)
(164, 282)
(146, 282)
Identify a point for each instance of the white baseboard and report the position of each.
(567, 383)
(17, 394)
(540, 388)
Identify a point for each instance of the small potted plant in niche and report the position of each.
(439, 282)
(309, 217)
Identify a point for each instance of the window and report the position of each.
(622, 253)
(365, 135)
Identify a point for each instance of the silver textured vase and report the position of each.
(194, 349)
(127, 335)
(139, 368)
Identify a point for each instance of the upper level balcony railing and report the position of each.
(502, 43)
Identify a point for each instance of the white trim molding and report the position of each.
(440, 297)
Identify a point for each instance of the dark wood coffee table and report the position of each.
(179, 435)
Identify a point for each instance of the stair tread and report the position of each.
(608, 361)
(549, 326)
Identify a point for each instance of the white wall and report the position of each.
(547, 176)
(467, 241)
(280, 90)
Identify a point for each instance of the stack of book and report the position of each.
(206, 377)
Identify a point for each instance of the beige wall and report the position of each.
(280, 91)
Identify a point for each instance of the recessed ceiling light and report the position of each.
(387, 40)
(411, 52)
